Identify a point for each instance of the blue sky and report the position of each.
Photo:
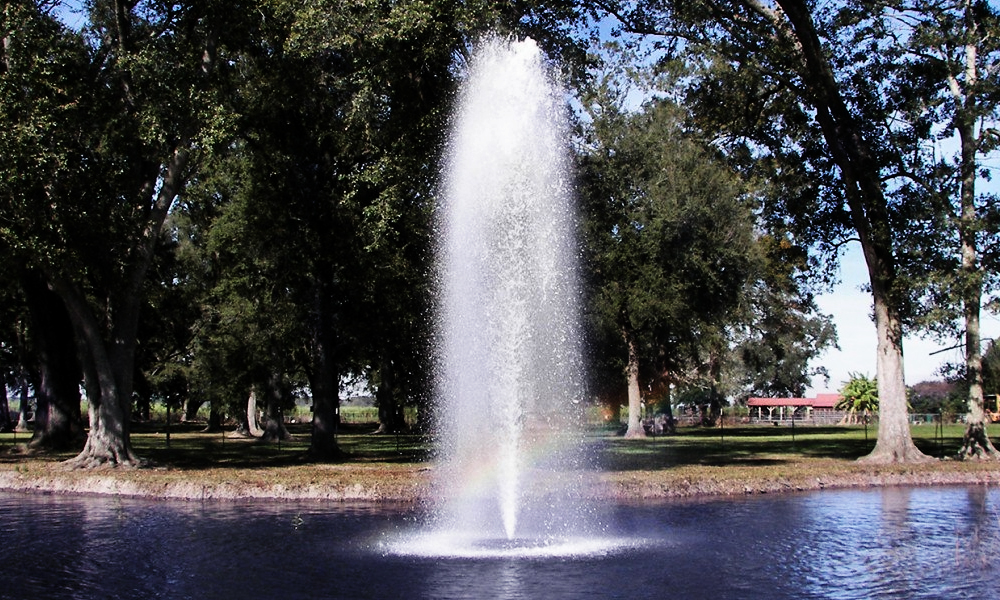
(850, 308)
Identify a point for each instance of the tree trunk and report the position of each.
(253, 428)
(325, 420)
(895, 443)
(325, 384)
(58, 421)
(668, 404)
(109, 364)
(242, 417)
(274, 422)
(214, 420)
(635, 428)
(6, 423)
(191, 407)
(714, 410)
(976, 442)
(22, 409)
(390, 413)
(862, 184)
(143, 406)
(108, 389)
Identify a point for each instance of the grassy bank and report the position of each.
(742, 460)
(766, 459)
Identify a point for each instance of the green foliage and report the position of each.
(859, 395)
(678, 264)
(47, 123)
(786, 334)
(938, 397)
(299, 228)
(311, 237)
(840, 110)
(669, 236)
(946, 86)
(991, 368)
(897, 76)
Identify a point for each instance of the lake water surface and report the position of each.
(887, 543)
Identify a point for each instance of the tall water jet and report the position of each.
(510, 376)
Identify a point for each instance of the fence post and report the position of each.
(722, 427)
(793, 431)
(939, 433)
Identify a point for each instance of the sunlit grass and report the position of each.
(754, 459)
(743, 445)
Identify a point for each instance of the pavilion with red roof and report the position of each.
(820, 408)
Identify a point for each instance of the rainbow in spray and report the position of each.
(510, 379)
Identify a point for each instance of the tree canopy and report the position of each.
(681, 274)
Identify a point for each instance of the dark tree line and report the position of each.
(226, 200)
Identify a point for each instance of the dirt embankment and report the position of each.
(373, 483)
(732, 481)
(412, 483)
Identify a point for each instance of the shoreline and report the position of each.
(412, 483)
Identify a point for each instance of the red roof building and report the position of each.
(787, 408)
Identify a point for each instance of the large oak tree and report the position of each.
(671, 248)
(786, 83)
(116, 116)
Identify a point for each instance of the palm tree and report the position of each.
(858, 396)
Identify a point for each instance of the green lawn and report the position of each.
(748, 445)
(189, 447)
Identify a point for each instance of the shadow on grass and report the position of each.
(197, 450)
(14, 451)
(190, 448)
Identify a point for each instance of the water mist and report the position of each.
(510, 378)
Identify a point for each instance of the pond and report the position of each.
(885, 543)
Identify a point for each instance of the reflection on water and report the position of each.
(891, 543)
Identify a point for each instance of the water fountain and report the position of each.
(511, 376)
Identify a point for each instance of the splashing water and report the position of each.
(511, 377)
